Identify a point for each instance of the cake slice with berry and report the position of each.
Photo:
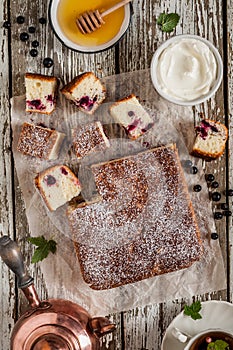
(88, 139)
(41, 93)
(210, 140)
(129, 113)
(86, 91)
(39, 141)
(57, 186)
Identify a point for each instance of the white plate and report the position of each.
(215, 314)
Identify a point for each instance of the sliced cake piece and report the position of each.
(129, 113)
(41, 93)
(145, 224)
(85, 91)
(210, 140)
(38, 141)
(57, 185)
(88, 139)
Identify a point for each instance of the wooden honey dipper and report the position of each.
(90, 21)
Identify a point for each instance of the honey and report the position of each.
(69, 10)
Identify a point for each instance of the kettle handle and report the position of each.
(12, 256)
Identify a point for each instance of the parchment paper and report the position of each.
(61, 271)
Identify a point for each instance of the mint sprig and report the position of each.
(44, 247)
(218, 345)
(193, 310)
(168, 21)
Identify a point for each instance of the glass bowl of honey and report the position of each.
(63, 15)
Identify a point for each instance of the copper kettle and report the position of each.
(54, 323)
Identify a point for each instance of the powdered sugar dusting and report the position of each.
(144, 225)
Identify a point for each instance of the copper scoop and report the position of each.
(90, 21)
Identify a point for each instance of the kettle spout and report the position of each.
(101, 326)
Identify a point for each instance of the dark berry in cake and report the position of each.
(204, 128)
(214, 235)
(86, 102)
(193, 170)
(216, 196)
(224, 206)
(7, 24)
(197, 188)
(32, 29)
(209, 177)
(131, 113)
(133, 126)
(35, 43)
(48, 62)
(50, 180)
(36, 104)
(215, 184)
(227, 213)
(64, 171)
(148, 126)
(42, 20)
(20, 19)
(218, 215)
(24, 36)
(33, 52)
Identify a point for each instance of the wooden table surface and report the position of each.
(140, 328)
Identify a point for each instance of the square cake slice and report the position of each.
(39, 142)
(86, 91)
(145, 224)
(89, 138)
(211, 138)
(41, 93)
(57, 185)
(129, 113)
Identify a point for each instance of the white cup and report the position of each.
(193, 342)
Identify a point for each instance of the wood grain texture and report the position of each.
(140, 328)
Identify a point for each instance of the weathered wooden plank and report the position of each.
(229, 67)
(7, 282)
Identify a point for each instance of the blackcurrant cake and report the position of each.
(210, 141)
(89, 138)
(144, 225)
(39, 141)
(129, 113)
(57, 185)
(86, 91)
(41, 93)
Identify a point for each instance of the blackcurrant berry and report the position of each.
(227, 213)
(33, 52)
(35, 43)
(218, 215)
(197, 188)
(214, 184)
(193, 170)
(7, 24)
(42, 20)
(48, 62)
(187, 163)
(31, 30)
(24, 36)
(20, 19)
(214, 235)
(224, 206)
(230, 193)
(216, 196)
(209, 177)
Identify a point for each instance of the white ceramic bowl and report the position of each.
(157, 56)
(53, 8)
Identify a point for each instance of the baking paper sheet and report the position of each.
(61, 271)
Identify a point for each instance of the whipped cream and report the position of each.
(186, 69)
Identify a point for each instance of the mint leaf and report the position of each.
(218, 345)
(193, 310)
(44, 247)
(168, 21)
